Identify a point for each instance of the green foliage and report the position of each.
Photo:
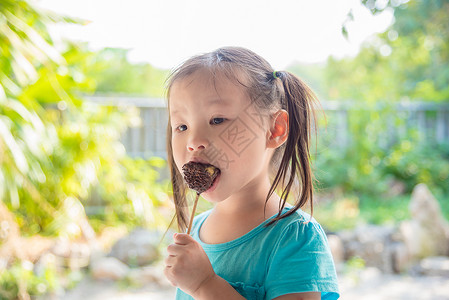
(20, 279)
(414, 163)
(134, 186)
(373, 154)
(338, 214)
(411, 59)
(384, 210)
(354, 166)
(353, 267)
(113, 73)
(350, 211)
(24, 47)
(365, 78)
(356, 263)
(55, 148)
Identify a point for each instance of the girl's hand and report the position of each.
(187, 265)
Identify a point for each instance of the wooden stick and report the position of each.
(193, 213)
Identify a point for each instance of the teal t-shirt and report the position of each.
(289, 256)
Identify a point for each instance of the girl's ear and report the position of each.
(278, 130)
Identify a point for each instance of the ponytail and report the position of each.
(295, 163)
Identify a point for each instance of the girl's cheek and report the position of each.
(176, 141)
(177, 152)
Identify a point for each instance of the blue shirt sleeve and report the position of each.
(302, 262)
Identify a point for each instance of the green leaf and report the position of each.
(12, 146)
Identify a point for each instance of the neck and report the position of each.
(250, 200)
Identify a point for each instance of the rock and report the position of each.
(108, 268)
(370, 274)
(139, 248)
(148, 274)
(110, 235)
(400, 257)
(396, 188)
(435, 266)
(427, 233)
(371, 243)
(71, 254)
(337, 249)
(79, 256)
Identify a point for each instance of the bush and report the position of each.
(414, 163)
(373, 157)
(20, 280)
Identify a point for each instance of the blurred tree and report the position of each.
(113, 73)
(411, 59)
(54, 147)
(25, 46)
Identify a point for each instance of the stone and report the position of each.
(108, 268)
(337, 249)
(400, 257)
(71, 254)
(396, 188)
(370, 274)
(435, 266)
(139, 248)
(147, 275)
(427, 233)
(372, 243)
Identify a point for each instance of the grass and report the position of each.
(350, 211)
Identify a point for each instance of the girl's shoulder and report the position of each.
(299, 220)
(199, 219)
(298, 230)
(300, 254)
(298, 224)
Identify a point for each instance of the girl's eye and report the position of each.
(216, 121)
(181, 128)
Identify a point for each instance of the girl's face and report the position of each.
(213, 121)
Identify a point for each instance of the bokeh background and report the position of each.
(85, 197)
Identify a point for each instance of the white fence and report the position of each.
(431, 120)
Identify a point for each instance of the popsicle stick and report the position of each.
(193, 213)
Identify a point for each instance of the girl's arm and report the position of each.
(189, 268)
(217, 288)
(300, 296)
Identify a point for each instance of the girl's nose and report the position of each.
(197, 143)
(200, 147)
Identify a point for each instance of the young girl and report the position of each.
(229, 108)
